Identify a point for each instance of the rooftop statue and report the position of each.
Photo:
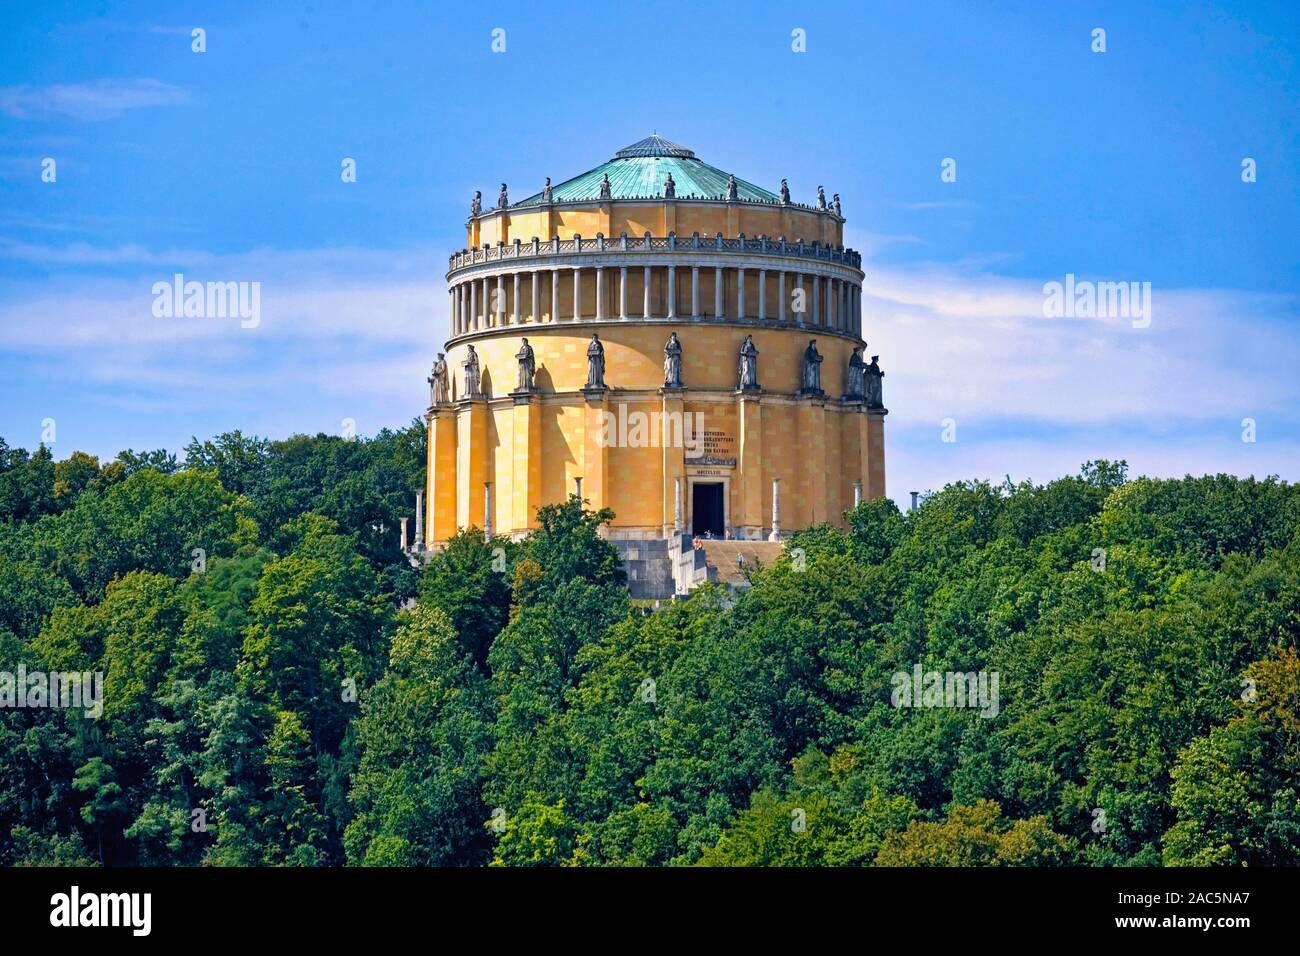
(673, 362)
(874, 384)
(476, 204)
(595, 363)
(821, 198)
(733, 191)
(748, 364)
(785, 193)
(527, 367)
(471, 367)
(546, 190)
(503, 199)
(438, 381)
(812, 369)
(836, 204)
(855, 374)
(670, 187)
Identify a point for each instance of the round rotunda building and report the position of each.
(665, 339)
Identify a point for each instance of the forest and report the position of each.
(282, 687)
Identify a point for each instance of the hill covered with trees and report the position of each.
(281, 687)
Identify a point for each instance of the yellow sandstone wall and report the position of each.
(657, 218)
(533, 451)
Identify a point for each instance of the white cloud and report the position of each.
(100, 100)
(354, 329)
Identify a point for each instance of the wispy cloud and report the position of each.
(354, 329)
(99, 100)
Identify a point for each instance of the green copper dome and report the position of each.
(639, 171)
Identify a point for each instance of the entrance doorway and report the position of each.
(706, 509)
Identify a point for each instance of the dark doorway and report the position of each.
(706, 509)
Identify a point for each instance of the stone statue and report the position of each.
(503, 199)
(673, 362)
(605, 191)
(527, 367)
(748, 364)
(733, 191)
(472, 374)
(546, 190)
(785, 193)
(595, 363)
(812, 369)
(670, 188)
(855, 375)
(476, 204)
(821, 198)
(836, 205)
(874, 384)
(438, 381)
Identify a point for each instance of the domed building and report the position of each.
(665, 339)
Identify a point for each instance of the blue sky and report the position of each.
(1115, 166)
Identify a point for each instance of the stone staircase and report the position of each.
(649, 568)
(723, 558)
(658, 570)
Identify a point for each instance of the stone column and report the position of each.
(473, 304)
(762, 295)
(673, 458)
(600, 292)
(622, 292)
(470, 437)
(500, 304)
(645, 307)
(487, 510)
(537, 295)
(749, 459)
(404, 520)
(874, 452)
(695, 292)
(517, 318)
(677, 505)
(555, 295)
(780, 296)
(577, 294)
(595, 453)
(451, 311)
(672, 292)
(718, 310)
(526, 472)
(857, 493)
(419, 521)
(440, 478)
(815, 471)
(803, 295)
(776, 511)
(816, 299)
(740, 293)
